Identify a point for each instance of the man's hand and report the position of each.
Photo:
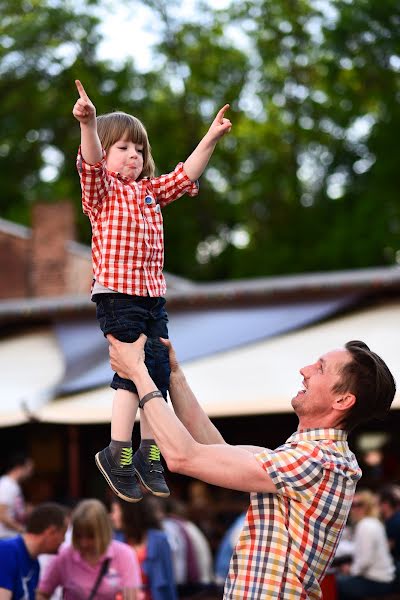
(127, 359)
(173, 361)
(84, 110)
(220, 126)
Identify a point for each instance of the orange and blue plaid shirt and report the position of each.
(290, 537)
(127, 225)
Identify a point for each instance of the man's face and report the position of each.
(26, 470)
(54, 538)
(316, 397)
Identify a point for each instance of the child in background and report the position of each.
(123, 200)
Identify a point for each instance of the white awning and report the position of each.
(31, 365)
(259, 378)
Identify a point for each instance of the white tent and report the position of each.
(258, 378)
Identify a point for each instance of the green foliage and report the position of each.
(307, 179)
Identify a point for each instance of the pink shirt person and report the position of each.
(77, 577)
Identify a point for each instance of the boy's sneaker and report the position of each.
(121, 479)
(150, 471)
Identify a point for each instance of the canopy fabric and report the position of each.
(195, 334)
(261, 377)
(31, 366)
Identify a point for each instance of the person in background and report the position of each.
(372, 571)
(198, 545)
(141, 525)
(389, 506)
(19, 565)
(12, 504)
(226, 547)
(95, 565)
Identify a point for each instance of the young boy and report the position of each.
(123, 200)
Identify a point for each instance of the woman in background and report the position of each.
(371, 572)
(142, 529)
(95, 565)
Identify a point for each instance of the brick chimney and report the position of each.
(52, 228)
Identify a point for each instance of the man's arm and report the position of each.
(8, 521)
(218, 464)
(85, 112)
(5, 594)
(186, 406)
(197, 161)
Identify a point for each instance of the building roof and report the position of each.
(231, 336)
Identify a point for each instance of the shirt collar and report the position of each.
(338, 435)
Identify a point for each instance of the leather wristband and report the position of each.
(149, 396)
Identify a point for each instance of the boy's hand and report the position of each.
(220, 126)
(84, 110)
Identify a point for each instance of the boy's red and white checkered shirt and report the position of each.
(127, 225)
(290, 537)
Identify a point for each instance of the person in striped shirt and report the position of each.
(300, 492)
(123, 200)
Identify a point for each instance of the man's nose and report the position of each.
(305, 371)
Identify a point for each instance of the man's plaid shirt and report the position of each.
(127, 225)
(290, 537)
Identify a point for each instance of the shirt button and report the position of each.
(148, 200)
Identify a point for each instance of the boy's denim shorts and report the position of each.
(126, 317)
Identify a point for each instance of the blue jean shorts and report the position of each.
(126, 317)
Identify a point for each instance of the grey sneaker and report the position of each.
(150, 471)
(121, 479)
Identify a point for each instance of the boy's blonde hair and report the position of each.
(121, 126)
(90, 518)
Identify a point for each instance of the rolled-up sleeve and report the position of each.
(171, 186)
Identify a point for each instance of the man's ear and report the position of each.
(344, 402)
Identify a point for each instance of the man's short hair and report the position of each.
(390, 495)
(44, 515)
(368, 377)
(16, 459)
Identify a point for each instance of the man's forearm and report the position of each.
(189, 411)
(8, 521)
(171, 436)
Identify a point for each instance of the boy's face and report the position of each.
(126, 158)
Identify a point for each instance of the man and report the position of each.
(301, 492)
(12, 504)
(19, 565)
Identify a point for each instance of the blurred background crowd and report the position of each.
(163, 549)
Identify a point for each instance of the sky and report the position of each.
(130, 31)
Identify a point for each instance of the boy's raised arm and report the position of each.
(197, 161)
(84, 111)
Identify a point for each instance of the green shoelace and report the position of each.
(154, 452)
(126, 457)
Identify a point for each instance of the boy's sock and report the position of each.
(148, 467)
(121, 452)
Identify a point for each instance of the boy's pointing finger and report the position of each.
(81, 90)
(222, 112)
